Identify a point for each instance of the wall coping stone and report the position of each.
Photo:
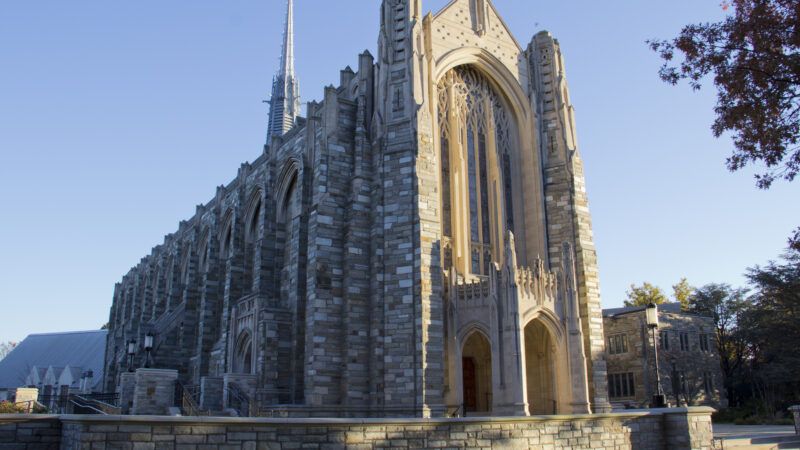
(9, 418)
(628, 414)
(169, 372)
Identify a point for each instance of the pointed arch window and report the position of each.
(475, 142)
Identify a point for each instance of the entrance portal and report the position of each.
(540, 369)
(476, 371)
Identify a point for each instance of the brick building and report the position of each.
(687, 353)
(419, 245)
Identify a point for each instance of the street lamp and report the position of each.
(659, 400)
(131, 353)
(148, 347)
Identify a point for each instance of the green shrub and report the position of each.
(10, 408)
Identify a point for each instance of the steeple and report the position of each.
(284, 105)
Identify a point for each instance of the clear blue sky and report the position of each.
(117, 118)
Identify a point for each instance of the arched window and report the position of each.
(251, 238)
(475, 142)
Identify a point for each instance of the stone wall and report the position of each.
(679, 428)
(24, 432)
(693, 363)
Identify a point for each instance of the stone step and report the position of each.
(763, 443)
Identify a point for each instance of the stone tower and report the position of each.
(284, 104)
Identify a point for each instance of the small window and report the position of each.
(664, 339)
(684, 341)
(617, 344)
(620, 385)
(704, 342)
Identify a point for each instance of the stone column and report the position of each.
(28, 396)
(688, 428)
(154, 391)
(796, 412)
(127, 384)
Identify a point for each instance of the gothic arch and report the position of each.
(527, 190)
(286, 180)
(252, 213)
(243, 353)
(202, 254)
(476, 366)
(226, 236)
(546, 362)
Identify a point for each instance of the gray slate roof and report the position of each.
(84, 349)
(672, 307)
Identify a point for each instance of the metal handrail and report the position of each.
(186, 399)
(81, 402)
(245, 406)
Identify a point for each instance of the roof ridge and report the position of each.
(58, 333)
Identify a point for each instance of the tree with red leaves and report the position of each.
(754, 58)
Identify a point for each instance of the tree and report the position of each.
(773, 334)
(725, 305)
(5, 348)
(644, 295)
(754, 57)
(682, 292)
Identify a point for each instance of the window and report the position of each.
(617, 344)
(684, 341)
(708, 383)
(664, 338)
(704, 342)
(620, 385)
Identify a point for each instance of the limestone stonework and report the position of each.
(419, 245)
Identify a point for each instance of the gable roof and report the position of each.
(492, 9)
(85, 349)
(671, 307)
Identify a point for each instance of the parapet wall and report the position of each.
(678, 428)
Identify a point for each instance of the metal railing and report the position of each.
(240, 401)
(187, 398)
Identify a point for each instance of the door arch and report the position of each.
(540, 369)
(243, 356)
(476, 374)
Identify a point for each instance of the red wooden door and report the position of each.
(470, 384)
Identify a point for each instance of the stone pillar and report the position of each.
(211, 393)
(688, 428)
(28, 396)
(154, 391)
(796, 412)
(127, 384)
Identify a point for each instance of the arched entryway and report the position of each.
(476, 373)
(540, 369)
(243, 357)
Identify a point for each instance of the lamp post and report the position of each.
(131, 353)
(148, 347)
(659, 400)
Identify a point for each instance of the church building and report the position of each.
(419, 244)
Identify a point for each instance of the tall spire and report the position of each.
(284, 105)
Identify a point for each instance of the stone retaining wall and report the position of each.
(29, 432)
(679, 428)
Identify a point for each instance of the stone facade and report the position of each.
(689, 362)
(674, 429)
(419, 245)
(154, 391)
